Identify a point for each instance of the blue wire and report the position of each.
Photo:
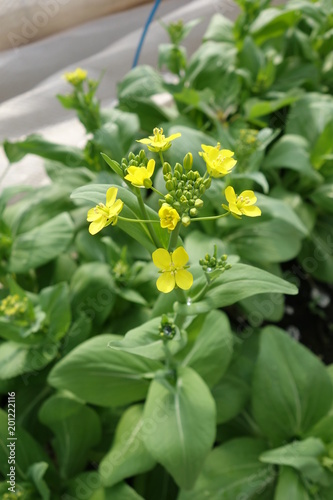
(144, 33)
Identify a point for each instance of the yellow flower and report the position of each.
(158, 142)
(104, 215)
(242, 204)
(169, 217)
(173, 272)
(140, 176)
(219, 163)
(76, 77)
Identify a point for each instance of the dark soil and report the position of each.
(309, 316)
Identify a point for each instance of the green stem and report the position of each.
(213, 217)
(157, 191)
(145, 216)
(202, 292)
(174, 238)
(161, 157)
(126, 219)
(168, 356)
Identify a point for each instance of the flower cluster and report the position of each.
(76, 77)
(14, 306)
(185, 189)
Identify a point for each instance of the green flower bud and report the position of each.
(176, 205)
(131, 156)
(198, 203)
(193, 212)
(169, 199)
(147, 183)
(169, 185)
(188, 161)
(191, 203)
(208, 182)
(166, 168)
(177, 175)
(186, 220)
(183, 199)
(179, 193)
(178, 168)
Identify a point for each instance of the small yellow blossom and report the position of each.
(242, 204)
(141, 176)
(173, 272)
(104, 215)
(158, 142)
(218, 162)
(169, 217)
(76, 77)
(13, 305)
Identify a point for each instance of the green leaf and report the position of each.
(128, 455)
(76, 430)
(181, 422)
(36, 473)
(146, 341)
(54, 301)
(301, 455)
(272, 23)
(291, 388)
(42, 244)
(323, 429)
(290, 485)
(212, 350)
(231, 395)
(27, 449)
(237, 283)
(291, 151)
(114, 165)
(16, 359)
(121, 491)
(232, 471)
(323, 197)
(35, 144)
(102, 376)
(255, 108)
(220, 29)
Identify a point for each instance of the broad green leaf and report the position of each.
(323, 197)
(36, 473)
(55, 303)
(16, 359)
(27, 449)
(316, 256)
(88, 486)
(181, 422)
(142, 81)
(291, 388)
(35, 144)
(42, 244)
(114, 165)
(255, 108)
(76, 430)
(72, 178)
(212, 350)
(291, 151)
(220, 29)
(121, 491)
(231, 395)
(272, 23)
(323, 147)
(102, 376)
(323, 429)
(237, 283)
(128, 455)
(303, 456)
(146, 341)
(290, 485)
(232, 471)
(309, 116)
(92, 291)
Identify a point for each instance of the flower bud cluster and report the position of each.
(167, 328)
(185, 188)
(212, 263)
(14, 306)
(139, 160)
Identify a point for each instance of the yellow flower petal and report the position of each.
(116, 208)
(150, 167)
(161, 258)
(251, 211)
(226, 153)
(97, 225)
(234, 209)
(173, 136)
(180, 257)
(144, 141)
(230, 194)
(166, 282)
(250, 195)
(184, 279)
(111, 196)
(93, 214)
